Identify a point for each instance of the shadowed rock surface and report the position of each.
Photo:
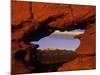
(34, 20)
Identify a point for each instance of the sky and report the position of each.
(60, 40)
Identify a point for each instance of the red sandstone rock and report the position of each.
(20, 68)
(80, 63)
(23, 23)
(72, 13)
(82, 12)
(20, 12)
(88, 41)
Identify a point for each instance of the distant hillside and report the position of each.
(55, 56)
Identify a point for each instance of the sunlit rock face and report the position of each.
(88, 44)
(79, 63)
(60, 40)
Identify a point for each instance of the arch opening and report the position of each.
(60, 40)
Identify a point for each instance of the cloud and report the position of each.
(66, 34)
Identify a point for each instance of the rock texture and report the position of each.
(80, 63)
(88, 44)
(32, 21)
